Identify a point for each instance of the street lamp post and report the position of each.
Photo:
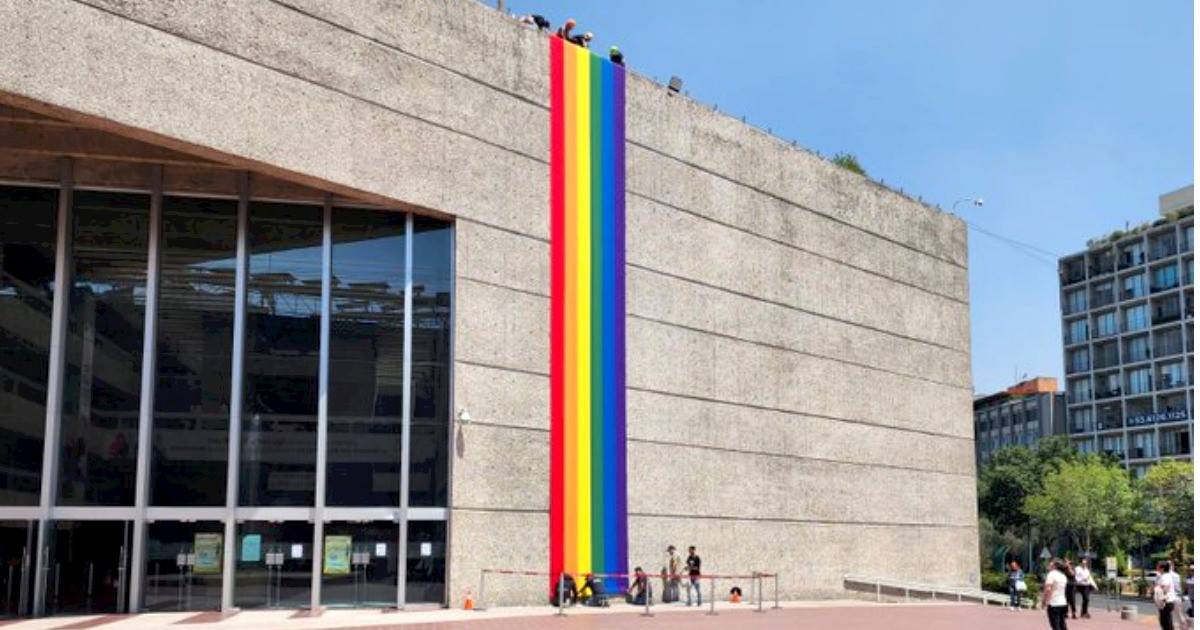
(975, 201)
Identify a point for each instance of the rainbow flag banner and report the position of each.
(588, 528)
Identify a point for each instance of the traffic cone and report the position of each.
(468, 603)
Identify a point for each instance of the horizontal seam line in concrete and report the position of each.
(743, 230)
(500, 146)
(779, 197)
(732, 403)
(736, 338)
(746, 296)
(390, 46)
(501, 228)
(718, 517)
(794, 247)
(742, 451)
(791, 307)
(780, 348)
(502, 286)
(546, 107)
(312, 82)
(813, 521)
(793, 411)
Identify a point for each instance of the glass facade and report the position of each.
(197, 322)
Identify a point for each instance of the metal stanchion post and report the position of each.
(562, 605)
(760, 593)
(776, 606)
(647, 593)
(878, 592)
(482, 575)
(712, 595)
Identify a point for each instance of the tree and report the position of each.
(1015, 473)
(1090, 500)
(848, 162)
(1166, 501)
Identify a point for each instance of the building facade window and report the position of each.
(1135, 318)
(1113, 445)
(1175, 441)
(28, 229)
(1133, 286)
(1081, 390)
(1075, 301)
(1081, 420)
(1163, 278)
(1077, 331)
(1141, 445)
(102, 389)
(1106, 324)
(1137, 348)
(194, 351)
(1138, 381)
(1170, 375)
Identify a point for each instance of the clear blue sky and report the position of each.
(1068, 118)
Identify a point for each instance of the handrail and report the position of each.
(960, 592)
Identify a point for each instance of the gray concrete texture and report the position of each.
(799, 381)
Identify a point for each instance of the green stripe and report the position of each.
(597, 366)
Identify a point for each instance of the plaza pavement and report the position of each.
(840, 615)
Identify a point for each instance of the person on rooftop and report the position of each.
(615, 56)
(564, 31)
(538, 21)
(581, 40)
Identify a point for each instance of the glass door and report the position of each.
(360, 565)
(183, 565)
(89, 567)
(274, 565)
(17, 549)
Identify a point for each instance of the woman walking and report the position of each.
(1054, 595)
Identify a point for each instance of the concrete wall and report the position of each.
(799, 380)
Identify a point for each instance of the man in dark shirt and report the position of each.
(693, 569)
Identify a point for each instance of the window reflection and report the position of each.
(366, 358)
(195, 338)
(27, 242)
(283, 304)
(432, 286)
(104, 349)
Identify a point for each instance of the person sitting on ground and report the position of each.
(637, 591)
(615, 56)
(564, 31)
(566, 591)
(581, 40)
(594, 589)
(735, 595)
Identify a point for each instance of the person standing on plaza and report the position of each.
(1084, 583)
(672, 564)
(1070, 573)
(1166, 597)
(1054, 595)
(1016, 585)
(693, 569)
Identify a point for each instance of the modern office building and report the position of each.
(1128, 344)
(276, 321)
(1019, 415)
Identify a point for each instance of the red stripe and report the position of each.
(557, 277)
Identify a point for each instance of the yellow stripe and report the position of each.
(570, 511)
(583, 313)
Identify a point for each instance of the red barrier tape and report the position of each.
(675, 576)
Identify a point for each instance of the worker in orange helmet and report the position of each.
(564, 31)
